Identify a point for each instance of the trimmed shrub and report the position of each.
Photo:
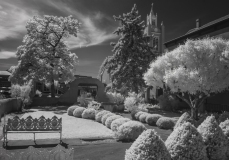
(111, 119)
(225, 128)
(78, 112)
(224, 116)
(130, 131)
(186, 143)
(185, 117)
(99, 115)
(71, 109)
(165, 123)
(151, 119)
(148, 146)
(137, 115)
(214, 139)
(142, 117)
(89, 113)
(133, 111)
(118, 122)
(104, 118)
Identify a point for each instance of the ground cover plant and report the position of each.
(99, 115)
(110, 119)
(142, 117)
(166, 123)
(151, 119)
(89, 113)
(118, 122)
(78, 112)
(148, 146)
(71, 109)
(104, 118)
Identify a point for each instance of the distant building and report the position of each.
(5, 84)
(155, 32)
(216, 28)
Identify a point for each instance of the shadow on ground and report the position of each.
(55, 109)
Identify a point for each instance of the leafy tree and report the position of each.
(44, 56)
(132, 55)
(193, 71)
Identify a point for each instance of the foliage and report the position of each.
(110, 119)
(225, 128)
(82, 99)
(23, 92)
(214, 139)
(166, 123)
(224, 116)
(151, 119)
(138, 114)
(95, 105)
(185, 117)
(134, 111)
(44, 56)
(118, 122)
(89, 113)
(130, 131)
(71, 109)
(142, 117)
(132, 54)
(115, 97)
(104, 117)
(98, 116)
(148, 146)
(38, 93)
(78, 112)
(186, 143)
(132, 100)
(183, 70)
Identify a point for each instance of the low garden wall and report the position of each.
(10, 105)
(44, 101)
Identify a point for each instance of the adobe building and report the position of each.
(216, 28)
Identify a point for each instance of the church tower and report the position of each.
(155, 33)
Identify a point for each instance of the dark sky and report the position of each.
(96, 16)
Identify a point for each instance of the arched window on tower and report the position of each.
(155, 43)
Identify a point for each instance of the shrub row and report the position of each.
(155, 120)
(207, 142)
(124, 128)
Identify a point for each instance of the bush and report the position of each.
(95, 105)
(151, 119)
(132, 100)
(148, 146)
(133, 111)
(142, 117)
(186, 143)
(99, 115)
(118, 122)
(104, 118)
(143, 107)
(130, 130)
(166, 123)
(224, 116)
(71, 109)
(111, 119)
(78, 112)
(137, 115)
(214, 139)
(185, 117)
(115, 97)
(38, 93)
(89, 113)
(225, 128)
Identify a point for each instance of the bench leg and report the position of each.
(34, 138)
(60, 137)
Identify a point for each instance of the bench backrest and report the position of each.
(30, 124)
(57, 153)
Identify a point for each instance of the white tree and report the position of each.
(44, 56)
(193, 71)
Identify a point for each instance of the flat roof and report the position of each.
(5, 73)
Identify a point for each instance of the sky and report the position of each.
(92, 44)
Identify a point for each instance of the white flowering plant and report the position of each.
(115, 97)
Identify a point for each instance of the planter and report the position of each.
(109, 106)
(120, 107)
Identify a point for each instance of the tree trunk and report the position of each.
(194, 113)
(52, 89)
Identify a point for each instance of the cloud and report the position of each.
(7, 54)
